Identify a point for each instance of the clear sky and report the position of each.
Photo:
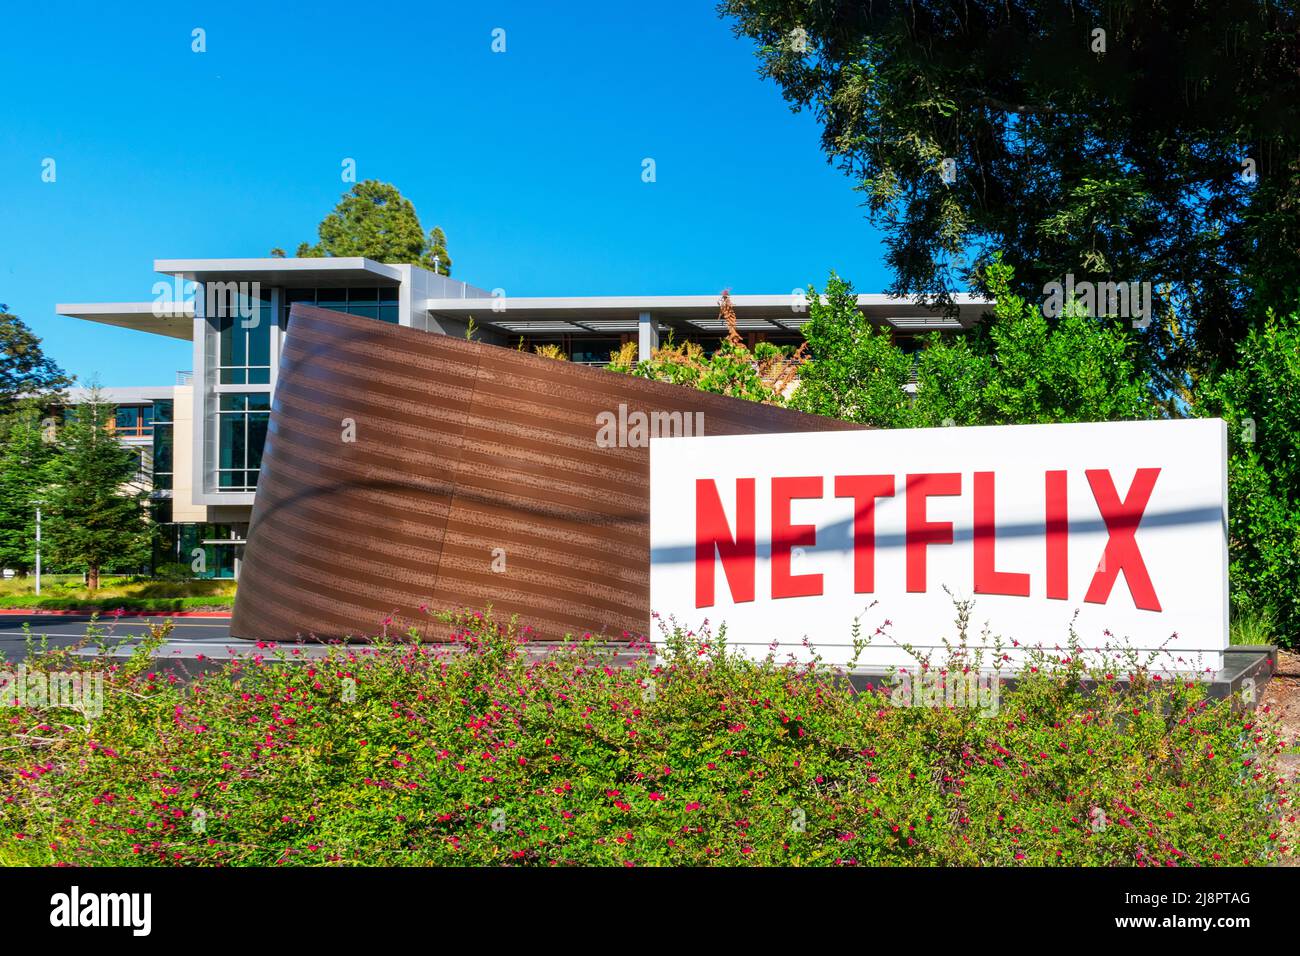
(530, 160)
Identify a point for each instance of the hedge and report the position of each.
(474, 753)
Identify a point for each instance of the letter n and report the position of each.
(712, 532)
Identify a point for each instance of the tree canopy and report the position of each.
(25, 370)
(1112, 140)
(374, 220)
(96, 510)
(24, 458)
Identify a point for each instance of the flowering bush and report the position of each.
(762, 373)
(477, 752)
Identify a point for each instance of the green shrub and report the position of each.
(1015, 368)
(174, 572)
(760, 374)
(1260, 399)
(473, 753)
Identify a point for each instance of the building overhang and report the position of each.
(123, 395)
(172, 319)
(289, 273)
(690, 313)
(175, 319)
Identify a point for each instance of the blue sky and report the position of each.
(530, 160)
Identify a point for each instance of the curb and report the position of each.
(33, 612)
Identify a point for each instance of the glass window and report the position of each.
(162, 445)
(594, 351)
(336, 299)
(133, 421)
(256, 439)
(177, 543)
(244, 340)
(289, 297)
(370, 302)
(241, 432)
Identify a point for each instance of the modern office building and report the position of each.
(206, 433)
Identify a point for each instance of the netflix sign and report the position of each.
(1117, 529)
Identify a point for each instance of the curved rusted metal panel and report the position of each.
(475, 478)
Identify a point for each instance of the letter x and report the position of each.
(1122, 519)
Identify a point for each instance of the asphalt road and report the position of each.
(63, 630)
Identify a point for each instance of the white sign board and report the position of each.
(1119, 528)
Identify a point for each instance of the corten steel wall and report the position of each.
(460, 448)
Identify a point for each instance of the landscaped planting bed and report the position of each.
(480, 754)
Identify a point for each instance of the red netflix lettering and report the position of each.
(864, 490)
(1058, 535)
(989, 580)
(920, 532)
(1122, 519)
(712, 531)
(786, 536)
(736, 548)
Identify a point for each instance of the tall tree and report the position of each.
(1115, 140)
(436, 257)
(96, 511)
(24, 457)
(24, 369)
(374, 220)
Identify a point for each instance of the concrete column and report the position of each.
(647, 336)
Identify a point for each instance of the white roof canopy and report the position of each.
(617, 314)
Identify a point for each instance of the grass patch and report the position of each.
(66, 593)
(31, 602)
(1252, 629)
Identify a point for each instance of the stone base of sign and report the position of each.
(1242, 665)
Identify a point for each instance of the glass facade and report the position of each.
(241, 432)
(244, 343)
(371, 302)
(221, 545)
(593, 351)
(241, 354)
(163, 445)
